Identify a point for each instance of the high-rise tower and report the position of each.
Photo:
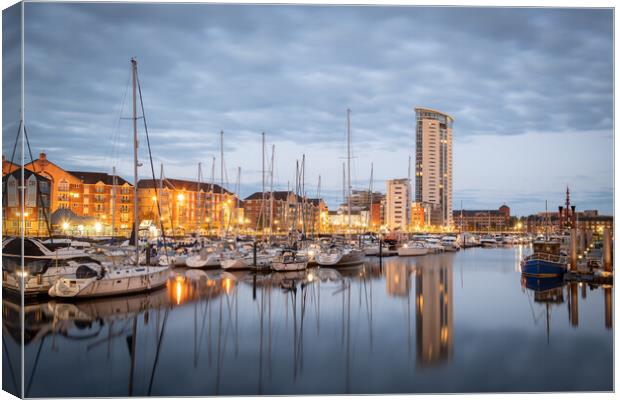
(433, 167)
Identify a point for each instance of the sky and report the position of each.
(530, 89)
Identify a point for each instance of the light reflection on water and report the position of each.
(462, 322)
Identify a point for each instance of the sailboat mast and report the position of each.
(161, 191)
(349, 166)
(303, 194)
(344, 195)
(114, 183)
(370, 194)
(134, 73)
(199, 195)
(238, 195)
(222, 179)
(408, 208)
(318, 196)
(461, 216)
(262, 203)
(273, 151)
(212, 216)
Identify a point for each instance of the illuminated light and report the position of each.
(22, 274)
(179, 290)
(98, 227)
(227, 285)
(80, 227)
(65, 225)
(18, 213)
(180, 197)
(154, 198)
(25, 214)
(310, 277)
(444, 334)
(76, 195)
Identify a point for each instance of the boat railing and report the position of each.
(547, 257)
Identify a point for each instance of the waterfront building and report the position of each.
(433, 165)
(319, 215)
(339, 220)
(109, 200)
(188, 206)
(566, 218)
(87, 194)
(552, 222)
(36, 213)
(258, 214)
(482, 220)
(594, 222)
(418, 213)
(397, 202)
(288, 211)
(66, 188)
(8, 166)
(363, 200)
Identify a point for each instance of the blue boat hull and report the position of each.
(542, 268)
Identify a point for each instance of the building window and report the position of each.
(63, 185)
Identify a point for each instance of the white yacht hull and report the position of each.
(235, 263)
(115, 282)
(412, 251)
(198, 261)
(340, 259)
(371, 250)
(289, 266)
(36, 285)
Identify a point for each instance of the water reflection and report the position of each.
(364, 329)
(434, 311)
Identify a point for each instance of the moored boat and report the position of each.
(545, 261)
(339, 256)
(289, 260)
(413, 248)
(88, 282)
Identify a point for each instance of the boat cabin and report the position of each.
(547, 247)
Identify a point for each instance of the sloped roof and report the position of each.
(277, 195)
(92, 178)
(27, 174)
(180, 184)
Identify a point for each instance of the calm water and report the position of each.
(462, 322)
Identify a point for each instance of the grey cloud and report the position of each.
(292, 71)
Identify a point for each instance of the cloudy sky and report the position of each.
(530, 91)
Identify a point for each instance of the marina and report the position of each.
(443, 322)
(205, 199)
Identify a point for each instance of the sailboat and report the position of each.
(87, 282)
